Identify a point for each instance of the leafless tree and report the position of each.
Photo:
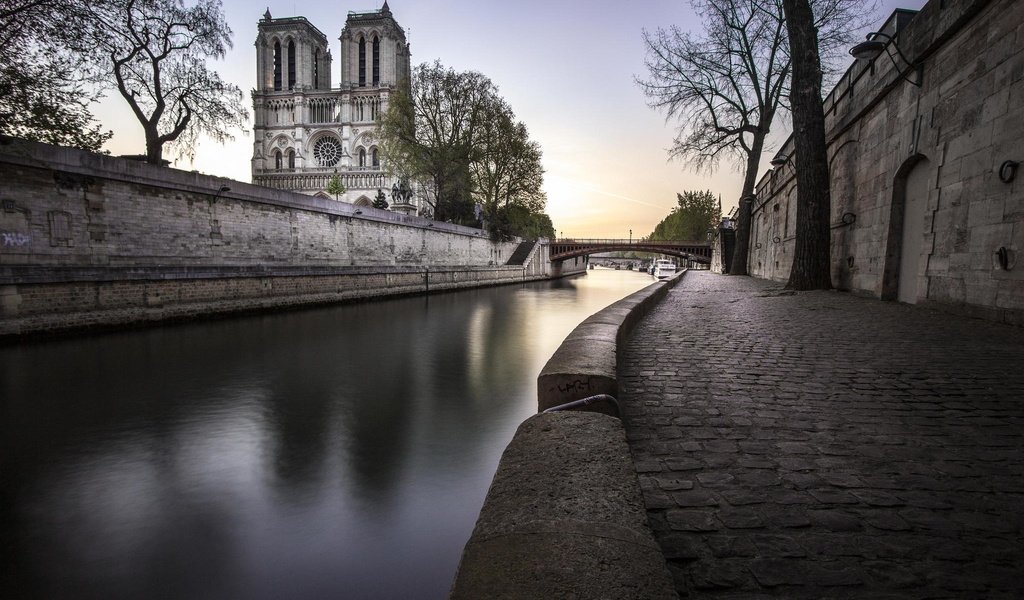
(48, 77)
(726, 86)
(157, 52)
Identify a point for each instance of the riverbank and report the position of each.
(89, 241)
(104, 299)
(564, 515)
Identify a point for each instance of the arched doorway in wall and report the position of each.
(905, 256)
(843, 177)
(363, 201)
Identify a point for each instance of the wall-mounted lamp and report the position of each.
(779, 160)
(1008, 170)
(777, 240)
(749, 199)
(358, 212)
(220, 191)
(873, 46)
(848, 218)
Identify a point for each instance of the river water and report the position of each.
(339, 452)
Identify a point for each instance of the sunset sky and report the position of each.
(567, 68)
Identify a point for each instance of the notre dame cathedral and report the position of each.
(308, 130)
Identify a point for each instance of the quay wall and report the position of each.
(925, 205)
(88, 240)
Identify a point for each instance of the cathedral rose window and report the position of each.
(327, 152)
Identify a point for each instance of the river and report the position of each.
(339, 452)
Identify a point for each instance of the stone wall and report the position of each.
(894, 145)
(90, 240)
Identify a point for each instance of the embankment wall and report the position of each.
(926, 206)
(88, 240)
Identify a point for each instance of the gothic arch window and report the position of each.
(291, 159)
(374, 158)
(376, 60)
(277, 66)
(362, 61)
(362, 157)
(277, 160)
(291, 64)
(316, 68)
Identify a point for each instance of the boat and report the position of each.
(663, 269)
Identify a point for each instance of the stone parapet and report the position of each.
(586, 363)
(564, 518)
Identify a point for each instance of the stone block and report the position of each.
(564, 517)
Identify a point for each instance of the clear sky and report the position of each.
(566, 67)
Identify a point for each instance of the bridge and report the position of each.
(569, 248)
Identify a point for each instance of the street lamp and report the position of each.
(630, 237)
(877, 43)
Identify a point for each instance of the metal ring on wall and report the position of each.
(1008, 170)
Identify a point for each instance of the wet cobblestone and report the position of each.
(817, 444)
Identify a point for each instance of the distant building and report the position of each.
(307, 130)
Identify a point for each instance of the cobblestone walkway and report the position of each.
(820, 445)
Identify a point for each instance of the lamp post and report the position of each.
(630, 237)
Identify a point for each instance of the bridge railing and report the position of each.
(628, 242)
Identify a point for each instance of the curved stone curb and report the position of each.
(564, 518)
(586, 362)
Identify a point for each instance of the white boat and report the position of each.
(663, 269)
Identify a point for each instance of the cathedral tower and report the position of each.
(307, 131)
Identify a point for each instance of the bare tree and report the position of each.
(47, 76)
(157, 51)
(727, 85)
(811, 268)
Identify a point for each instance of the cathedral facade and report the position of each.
(309, 131)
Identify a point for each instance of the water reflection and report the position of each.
(338, 452)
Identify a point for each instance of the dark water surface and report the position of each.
(341, 452)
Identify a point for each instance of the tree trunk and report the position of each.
(738, 266)
(811, 265)
(154, 149)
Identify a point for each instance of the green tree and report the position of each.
(507, 175)
(453, 135)
(48, 77)
(380, 200)
(157, 52)
(430, 134)
(334, 186)
(693, 215)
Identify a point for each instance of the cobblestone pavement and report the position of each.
(821, 445)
